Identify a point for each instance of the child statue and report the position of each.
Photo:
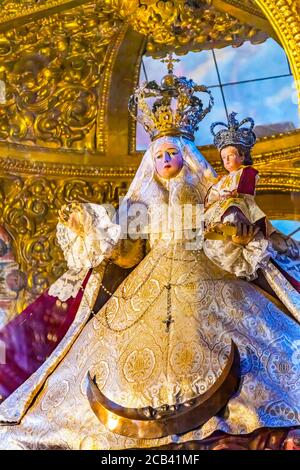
(230, 200)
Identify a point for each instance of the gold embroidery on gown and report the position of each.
(142, 365)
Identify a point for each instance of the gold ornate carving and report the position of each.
(27, 167)
(52, 70)
(246, 12)
(103, 111)
(10, 9)
(183, 25)
(29, 211)
(279, 181)
(248, 6)
(170, 25)
(16, 12)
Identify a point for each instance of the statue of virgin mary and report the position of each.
(145, 335)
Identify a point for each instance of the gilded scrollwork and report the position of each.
(18, 10)
(52, 70)
(29, 212)
(248, 6)
(11, 8)
(183, 25)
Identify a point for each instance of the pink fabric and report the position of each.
(247, 181)
(291, 279)
(31, 337)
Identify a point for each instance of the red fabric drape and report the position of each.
(29, 339)
(247, 181)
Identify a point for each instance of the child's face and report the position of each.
(232, 160)
(168, 160)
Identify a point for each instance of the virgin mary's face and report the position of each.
(168, 160)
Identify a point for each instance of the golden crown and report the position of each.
(175, 109)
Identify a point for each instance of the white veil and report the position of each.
(195, 164)
(148, 189)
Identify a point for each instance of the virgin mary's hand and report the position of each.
(245, 233)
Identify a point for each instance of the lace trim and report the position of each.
(83, 253)
(98, 241)
(242, 261)
(68, 285)
(257, 256)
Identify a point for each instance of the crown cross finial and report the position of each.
(170, 61)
